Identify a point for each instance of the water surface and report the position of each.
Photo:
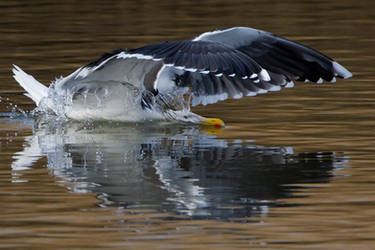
(292, 169)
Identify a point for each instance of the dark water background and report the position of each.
(293, 169)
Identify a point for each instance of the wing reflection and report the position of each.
(179, 169)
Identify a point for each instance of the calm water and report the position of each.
(292, 170)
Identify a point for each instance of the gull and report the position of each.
(161, 81)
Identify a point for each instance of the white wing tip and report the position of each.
(238, 96)
(251, 94)
(275, 88)
(289, 84)
(341, 71)
(264, 75)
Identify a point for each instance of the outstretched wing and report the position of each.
(279, 55)
(239, 62)
(212, 71)
(214, 66)
(112, 67)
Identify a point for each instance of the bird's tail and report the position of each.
(35, 90)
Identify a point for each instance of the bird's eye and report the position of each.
(185, 117)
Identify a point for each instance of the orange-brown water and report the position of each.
(293, 169)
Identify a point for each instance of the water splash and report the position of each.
(15, 110)
(116, 101)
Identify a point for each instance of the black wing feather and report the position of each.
(281, 55)
(219, 56)
(229, 62)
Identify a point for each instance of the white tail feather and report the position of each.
(35, 90)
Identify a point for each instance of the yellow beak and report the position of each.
(216, 122)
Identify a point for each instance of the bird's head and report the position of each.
(189, 117)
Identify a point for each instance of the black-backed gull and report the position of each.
(162, 81)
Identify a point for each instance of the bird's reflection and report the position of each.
(172, 167)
